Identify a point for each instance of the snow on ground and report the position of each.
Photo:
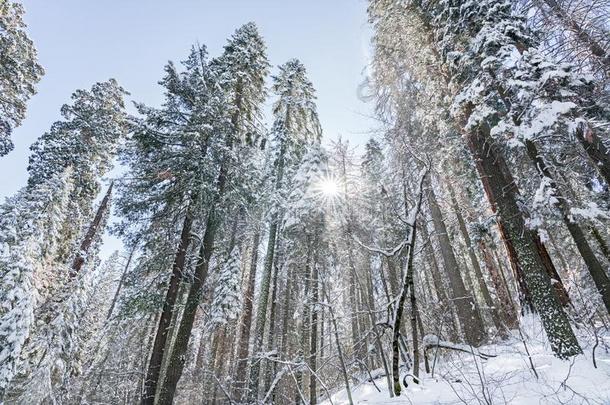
(504, 379)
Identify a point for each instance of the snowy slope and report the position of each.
(506, 378)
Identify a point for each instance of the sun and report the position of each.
(328, 187)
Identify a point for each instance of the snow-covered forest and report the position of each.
(460, 255)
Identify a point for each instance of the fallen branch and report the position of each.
(432, 341)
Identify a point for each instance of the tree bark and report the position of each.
(597, 272)
(491, 307)
(470, 320)
(243, 346)
(177, 358)
(158, 351)
(524, 253)
(507, 310)
(93, 231)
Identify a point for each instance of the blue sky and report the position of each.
(81, 42)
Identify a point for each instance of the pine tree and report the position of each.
(29, 231)
(296, 125)
(19, 71)
(54, 350)
(87, 141)
(173, 157)
(226, 303)
(244, 66)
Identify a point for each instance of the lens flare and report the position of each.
(329, 188)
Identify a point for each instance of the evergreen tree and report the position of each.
(173, 158)
(87, 141)
(296, 125)
(244, 66)
(227, 295)
(54, 351)
(29, 230)
(19, 71)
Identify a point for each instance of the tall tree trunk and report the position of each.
(271, 342)
(528, 265)
(507, 309)
(597, 272)
(93, 231)
(261, 312)
(117, 293)
(304, 343)
(177, 358)
(157, 354)
(313, 336)
(243, 345)
(491, 307)
(441, 293)
(407, 282)
(470, 320)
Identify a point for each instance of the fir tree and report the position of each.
(87, 141)
(241, 71)
(226, 303)
(29, 229)
(19, 71)
(296, 125)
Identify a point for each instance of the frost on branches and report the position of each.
(29, 226)
(19, 71)
(226, 303)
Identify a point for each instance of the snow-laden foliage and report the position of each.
(19, 71)
(305, 195)
(244, 65)
(226, 303)
(86, 140)
(28, 232)
(53, 353)
(265, 265)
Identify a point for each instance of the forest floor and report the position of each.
(507, 378)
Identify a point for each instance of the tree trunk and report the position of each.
(507, 310)
(528, 265)
(491, 307)
(597, 272)
(601, 242)
(333, 321)
(304, 343)
(157, 354)
(93, 231)
(414, 327)
(261, 312)
(439, 288)
(243, 346)
(271, 342)
(313, 336)
(407, 282)
(177, 358)
(470, 320)
(117, 293)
